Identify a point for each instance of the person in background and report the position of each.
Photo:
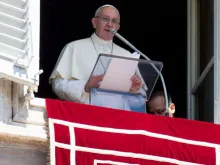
(156, 104)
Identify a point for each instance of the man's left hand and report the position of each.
(136, 83)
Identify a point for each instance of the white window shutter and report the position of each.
(19, 41)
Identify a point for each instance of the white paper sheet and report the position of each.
(119, 73)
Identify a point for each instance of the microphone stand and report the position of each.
(143, 55)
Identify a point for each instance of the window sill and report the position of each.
(25, 135)
(36, 113)
(28, 128)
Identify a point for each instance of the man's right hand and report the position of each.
(93, 82)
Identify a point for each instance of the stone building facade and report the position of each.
(23, 131)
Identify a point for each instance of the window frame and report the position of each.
(193, 79)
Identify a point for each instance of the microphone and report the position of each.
(112, 30)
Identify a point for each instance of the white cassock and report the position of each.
(75, 65)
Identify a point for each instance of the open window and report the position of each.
(203, 60)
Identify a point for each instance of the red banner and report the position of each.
(88, 135)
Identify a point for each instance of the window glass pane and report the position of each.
(205, 95)
(206, 38)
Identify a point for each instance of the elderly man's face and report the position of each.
(107, 18)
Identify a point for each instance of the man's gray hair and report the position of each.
(100, 8)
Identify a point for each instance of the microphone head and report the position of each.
(113, 30)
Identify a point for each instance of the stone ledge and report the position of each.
(36, 114)
(38, 102)
(24, 136)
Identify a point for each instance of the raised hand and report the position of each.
(136, 83)
(93, 82)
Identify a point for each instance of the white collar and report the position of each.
(98, 40)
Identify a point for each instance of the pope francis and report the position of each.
(69, 78)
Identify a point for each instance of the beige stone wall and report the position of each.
(5, 100)
(18, 156)
(23, 131)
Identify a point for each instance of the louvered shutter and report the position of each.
(19, 41)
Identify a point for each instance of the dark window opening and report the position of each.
(157, 28)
